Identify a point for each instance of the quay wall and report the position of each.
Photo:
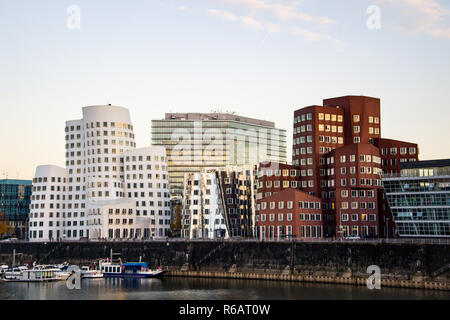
(293, 261)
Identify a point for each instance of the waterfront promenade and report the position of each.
(403, 262)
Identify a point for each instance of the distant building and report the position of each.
(15, 197)
(197, 141)
(419, 197)
(109, 189)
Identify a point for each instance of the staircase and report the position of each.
(55, 248)
(212, 252)
(441, 270)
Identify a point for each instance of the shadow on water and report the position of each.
(203, 289)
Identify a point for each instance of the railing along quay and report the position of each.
(362, 241)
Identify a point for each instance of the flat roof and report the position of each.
(218, 117)
(425, 164)
(15, 181)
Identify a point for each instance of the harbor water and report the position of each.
(174, 288)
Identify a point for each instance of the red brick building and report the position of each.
(275, 177)
(290, 214)
(347, 126)
(393, 152)
(354, 187)
(361, 117)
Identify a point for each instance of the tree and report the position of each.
(175, 226)
(5, 228)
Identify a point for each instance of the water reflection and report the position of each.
(202, 289)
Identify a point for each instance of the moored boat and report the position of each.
(128, 270)
(30, 275)
(59, 274)
(3, 268)
(89, 273)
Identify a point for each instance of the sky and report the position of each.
(258, 58)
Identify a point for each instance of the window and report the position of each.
(356, 118)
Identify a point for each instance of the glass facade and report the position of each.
(193, 145)
(419, 198)
(15, 197)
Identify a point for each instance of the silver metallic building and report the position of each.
(419, 198)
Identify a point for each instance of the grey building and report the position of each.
(196, 141)
(419, 198)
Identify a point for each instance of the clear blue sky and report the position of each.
(259, 58)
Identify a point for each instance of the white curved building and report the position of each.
(105, 176)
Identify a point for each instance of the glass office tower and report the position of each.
(195, 141)
(419, 198)
(15, 198)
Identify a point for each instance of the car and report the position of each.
(353, 237)
(10, 240)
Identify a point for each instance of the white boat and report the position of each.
(118, 269)
(30, 275)
(86, 272)
(3, 268)
(59, 274)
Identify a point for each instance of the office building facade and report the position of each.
(197, 141)
(419, 198)
(15, 198)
